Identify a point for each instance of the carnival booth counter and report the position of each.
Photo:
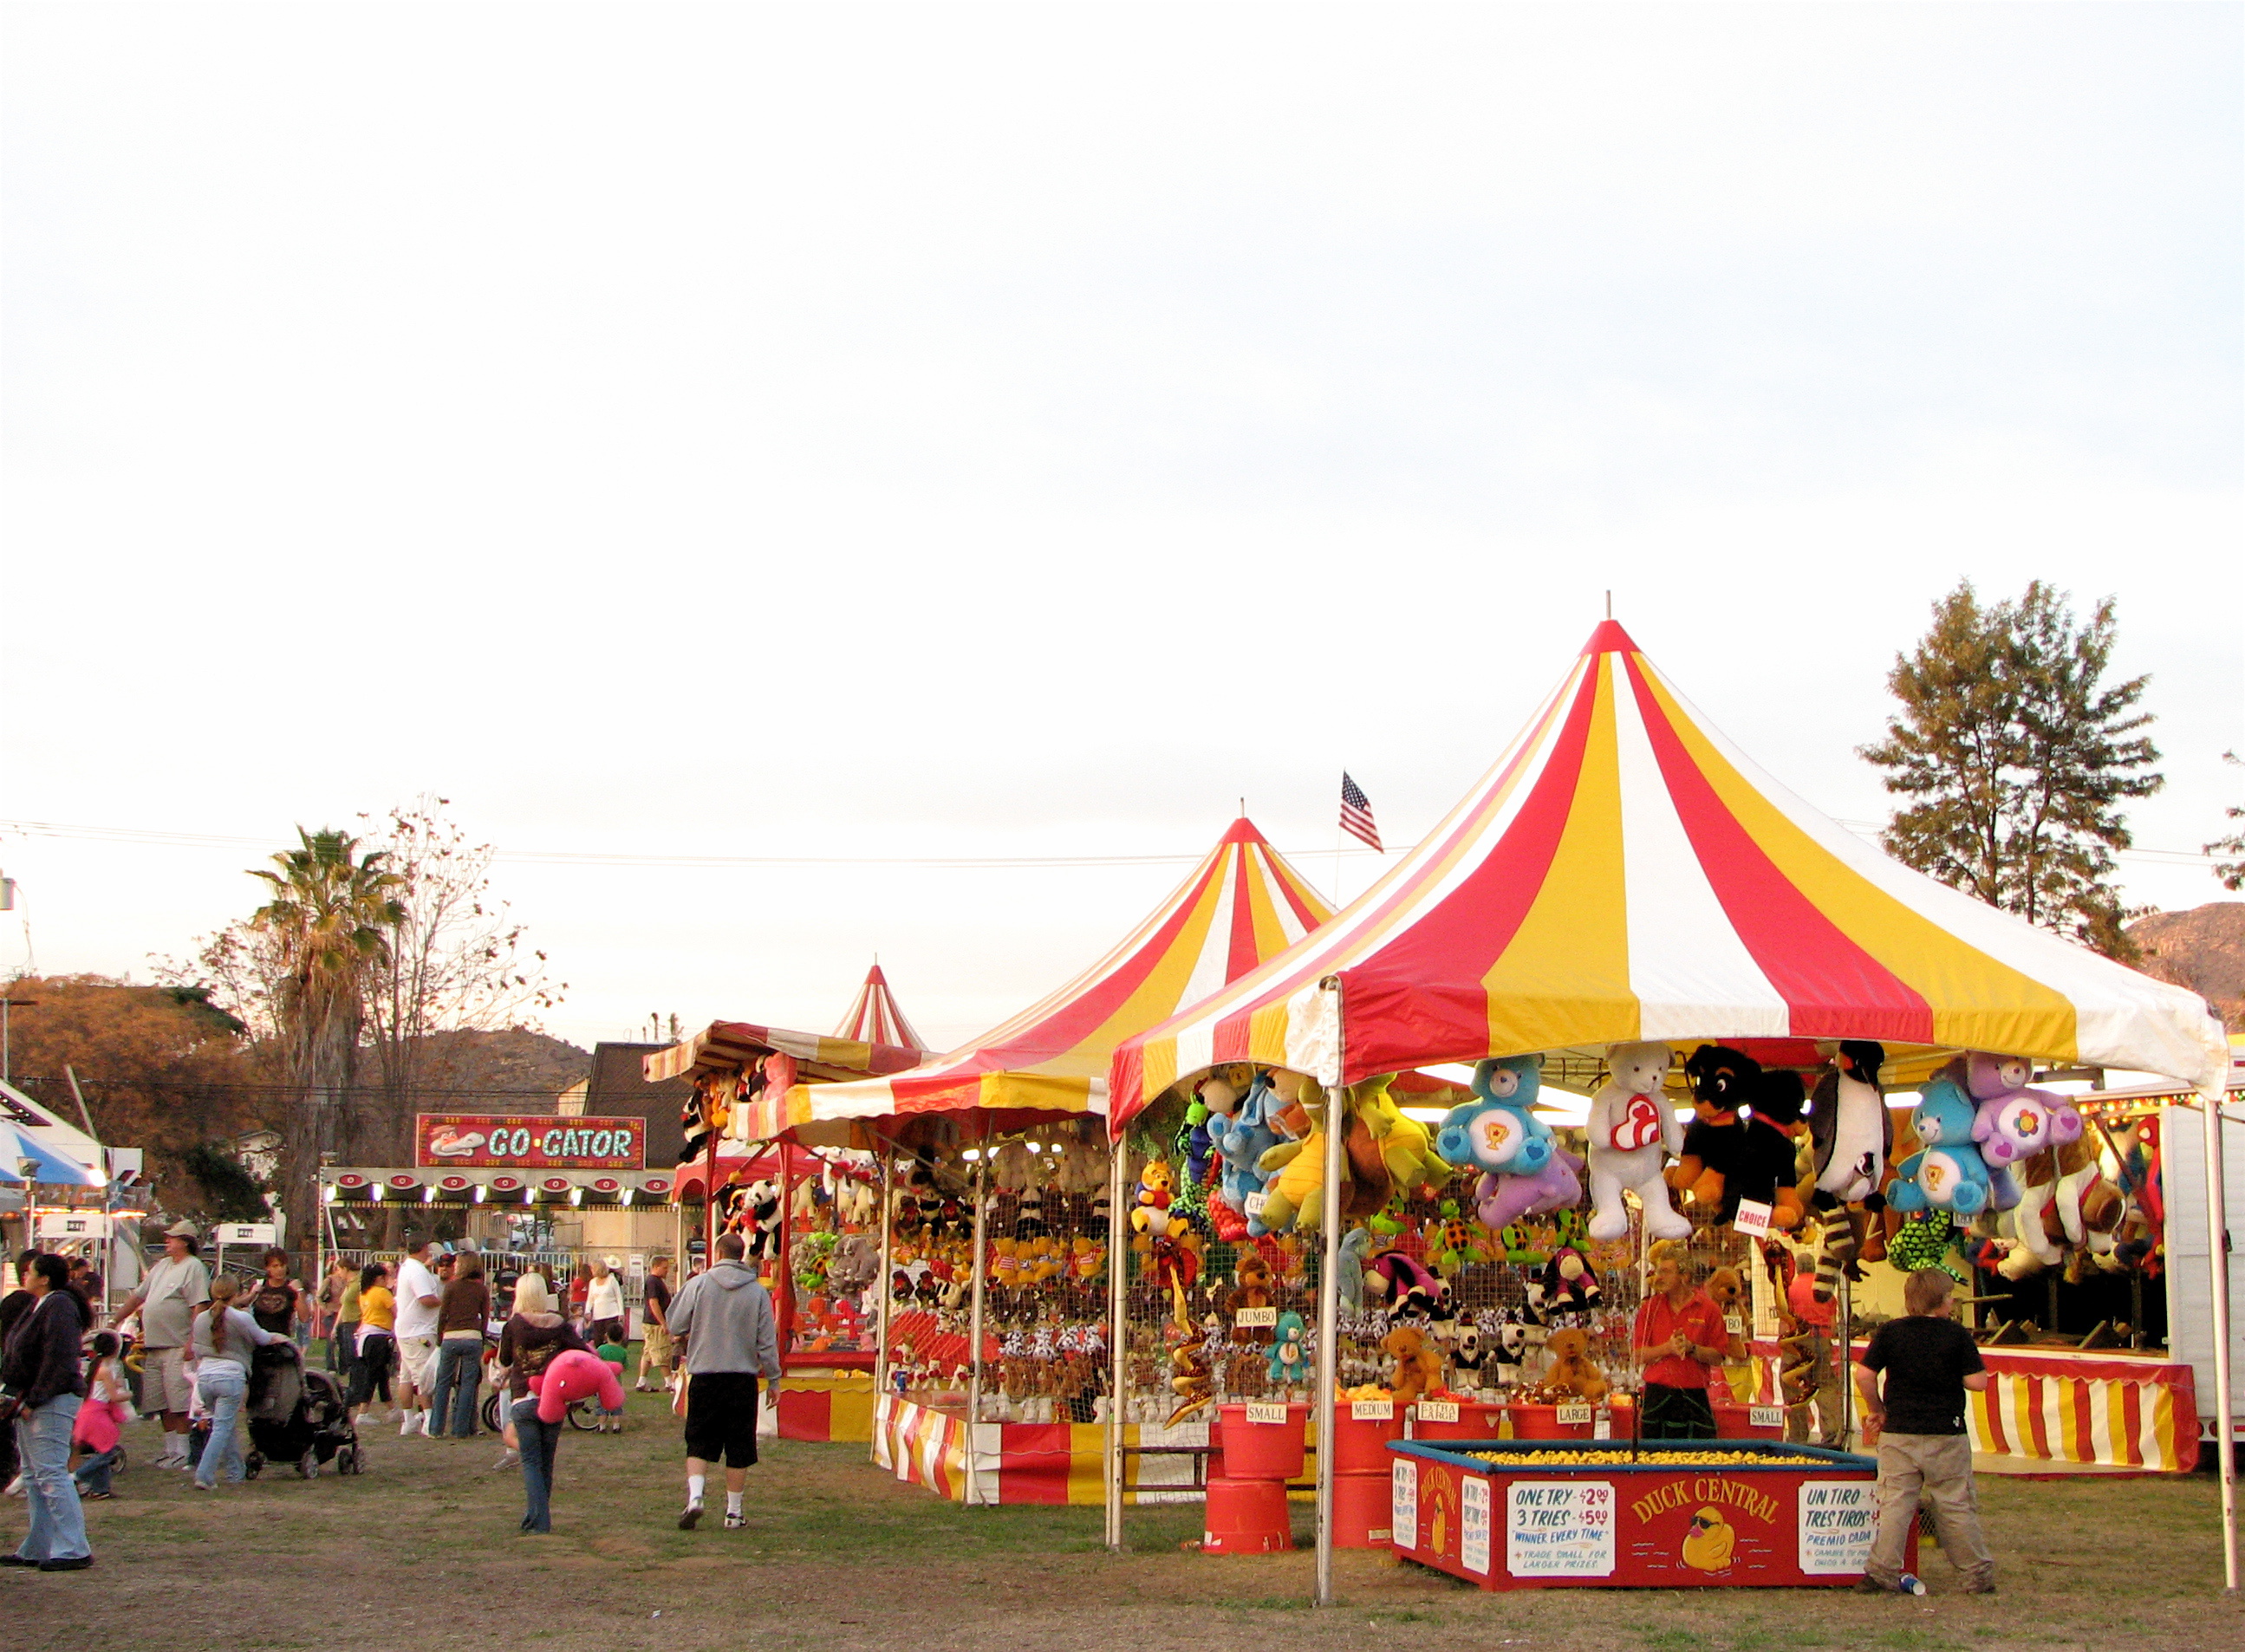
(1626, 888)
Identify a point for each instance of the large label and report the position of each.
(1838, 1521)
(1403, 1502)
(1560, 1529)
(445, 1141)
(1473, 1526)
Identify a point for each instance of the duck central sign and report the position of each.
(473, 1141)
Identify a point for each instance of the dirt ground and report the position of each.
(424, 1552)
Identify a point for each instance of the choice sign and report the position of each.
(474, 1140)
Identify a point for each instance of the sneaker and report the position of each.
(736, 1522)
(692, 1516)
(103, 1497)
(14, 1487)
(423, 1421)
(405, 1423)
(508, 1459)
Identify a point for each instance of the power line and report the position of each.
(160, 838)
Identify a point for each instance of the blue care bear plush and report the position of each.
(1946, 1172)
(1241, 1138)
(1523, 1170)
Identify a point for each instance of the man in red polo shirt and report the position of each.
(1680, 1337)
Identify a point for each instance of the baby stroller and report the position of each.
(298, 1415)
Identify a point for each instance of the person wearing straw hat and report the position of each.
(170, 1292)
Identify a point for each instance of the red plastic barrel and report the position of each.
(1360, 1444)
(1361, 1510)
(1476, 1420)
(1260, 1450)
(1542, 1422)
(1246, 1517)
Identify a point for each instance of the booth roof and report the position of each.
(1624, 873)
(1241, 904)
(874, 1017)
(733, 1047)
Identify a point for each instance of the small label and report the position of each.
(1438, 1410)
(1753, 1218)
(1573, 1416)
(1372, 1411)
(1734, 1323)
(1263, 1410)
(1765, 1417)
(1256, 1318)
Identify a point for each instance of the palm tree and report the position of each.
(329, 921)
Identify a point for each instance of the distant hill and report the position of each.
(2202, 948)
(530, 1065)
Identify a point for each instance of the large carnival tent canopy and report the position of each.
(1241, 904)
(1624, 873)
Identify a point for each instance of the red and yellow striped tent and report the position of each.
(875, 1019)
(1624, 873)
(1241, 904)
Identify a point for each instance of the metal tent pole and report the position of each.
(1117, 1264)
(972, 1483)
(2217, 1230)
(888, 1237)
(1329, 1307)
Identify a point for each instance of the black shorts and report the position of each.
(1678, 1413)
(720, 1416)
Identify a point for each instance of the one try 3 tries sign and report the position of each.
(472, 1140)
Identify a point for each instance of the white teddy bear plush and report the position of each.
(1633, 1132)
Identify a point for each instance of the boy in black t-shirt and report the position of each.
(1928, 1360)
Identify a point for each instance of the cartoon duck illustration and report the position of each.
(1707, 1545)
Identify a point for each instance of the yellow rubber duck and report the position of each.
(1707, 1545)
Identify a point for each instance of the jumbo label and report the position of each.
(1256, 1318)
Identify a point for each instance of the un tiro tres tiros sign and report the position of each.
(442, 1141)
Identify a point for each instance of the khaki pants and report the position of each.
(1825, 1400)
(1940, 1465)
(655, 1355)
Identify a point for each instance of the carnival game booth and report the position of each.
(1625, 884)
(809, 1214)
(1000, 1307)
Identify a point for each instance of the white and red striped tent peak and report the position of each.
(1624, 872)
(875, 1019)
(1241, 904)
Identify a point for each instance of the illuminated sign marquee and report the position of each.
(475, 1141)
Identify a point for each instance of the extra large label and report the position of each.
(1559, 1528)
(1838, 1520)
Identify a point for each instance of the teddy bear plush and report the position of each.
(1571, 1366)
(2012, 1120)
(1523, 1170)
(1714, 1150)
(1418, 1367)
(1947, 1172)
(1631, 1130)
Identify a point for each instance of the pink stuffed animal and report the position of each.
(2014, 1121)
(573, 1376)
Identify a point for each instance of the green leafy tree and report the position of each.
(2018, 756)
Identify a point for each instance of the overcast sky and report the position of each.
(850, 431)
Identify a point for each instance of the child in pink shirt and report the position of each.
(99, 1430)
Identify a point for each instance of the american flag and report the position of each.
(1356, 813)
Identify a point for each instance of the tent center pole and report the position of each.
(2217, 1232)
(972, 1485)
(881, 1302)
(1117, 1262)
(1328, 1370)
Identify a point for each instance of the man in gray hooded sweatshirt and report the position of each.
(723, 1319)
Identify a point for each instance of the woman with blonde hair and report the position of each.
(533, 1339)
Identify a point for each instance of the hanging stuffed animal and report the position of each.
(1403, 1284)
(1851, 1138)
(1355, 1252)
(1418, 1367)
(1289, 1364)
(1714, 1150)
(1296, 1195)
(1151, 1215)
(1407, 1151)
(1772, 1128)
(1240, 1138)
(1570, 1284)
(1946, 1172)
(2012, 1120)
(1523, 1170)
(1631, 1130)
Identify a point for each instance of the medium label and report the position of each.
(1261, 1411)
(1256, 1318)
(1372, 1411)
(1438, 1410)
(1560, 1529)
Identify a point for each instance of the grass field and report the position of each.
(424, 1552)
